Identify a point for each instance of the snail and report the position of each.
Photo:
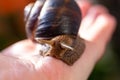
(54, 25)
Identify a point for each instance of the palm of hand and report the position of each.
(34, 67)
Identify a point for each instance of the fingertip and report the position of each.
(109, 25)
(107, 22)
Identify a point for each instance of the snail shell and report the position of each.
(54, 24)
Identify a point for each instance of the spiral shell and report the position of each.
(54, 24)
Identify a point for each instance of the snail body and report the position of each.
(54, 24)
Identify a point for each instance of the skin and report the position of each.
(19, 61)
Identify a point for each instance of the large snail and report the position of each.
(54, 24)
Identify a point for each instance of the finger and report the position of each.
(89, 19)
(84, 6)
(99, 33)
(105, 26)
(91, 16)
(96, 36)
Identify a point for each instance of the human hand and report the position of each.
(96, 29)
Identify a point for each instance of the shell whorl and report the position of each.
(51, 18)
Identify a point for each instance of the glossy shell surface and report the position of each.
(50, 18)
(58, 17)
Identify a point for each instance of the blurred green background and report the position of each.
(12, 30)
